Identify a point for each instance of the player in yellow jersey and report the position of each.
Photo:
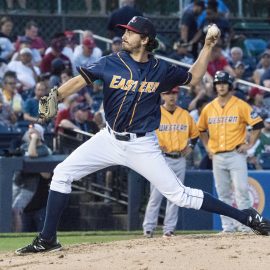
(177, 136)
(222, 125)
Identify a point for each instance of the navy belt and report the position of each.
(125, 137)
(228, 151)
(175, 156)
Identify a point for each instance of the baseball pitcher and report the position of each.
(133, 80)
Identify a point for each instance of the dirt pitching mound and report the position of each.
(198, 252)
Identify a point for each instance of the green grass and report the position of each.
(12, 241)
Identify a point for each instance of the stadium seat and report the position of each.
(255, 46)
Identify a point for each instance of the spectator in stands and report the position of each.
(66, 75)
(122, 15)
(264, 65)
(86, 57)
(6, 27)
(65, 110)
(102, 6)
(31, 104)
(30, 190)
(27, 73)
(10, 6)
(10, 93)
(70, 44)
(70, 40)
(223, 11)
(31, 33)
(25, 42)
(218, 62)
(189, 31)
(264, 140)
(116, 46)
(97, 52)
(84, 95)
(213, 16)
(181, 52)
(236, 55)
(240, 90)
(6, 46)
(256, 100)
(57, 66)
(58, 43)
(96, 93)
(7, 116)
(80, 119)
(66, 102)
(45, 78)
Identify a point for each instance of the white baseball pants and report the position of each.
(142, 155)
(153, 206)
(231, 180)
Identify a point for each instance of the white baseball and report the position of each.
(213, 31)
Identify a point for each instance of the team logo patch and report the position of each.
(253, 115)
(133, 20)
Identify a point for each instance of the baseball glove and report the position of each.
(48, 105)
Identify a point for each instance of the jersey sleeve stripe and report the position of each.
(156, 63)
(84, 75)
(189, 77)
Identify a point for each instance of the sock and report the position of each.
(213, 205)
(56, 204)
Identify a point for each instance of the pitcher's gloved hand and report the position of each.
(48, 105)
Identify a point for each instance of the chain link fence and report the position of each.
(247, 8)
(80, 7)
(166, 27)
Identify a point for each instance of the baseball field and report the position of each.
(125, 250)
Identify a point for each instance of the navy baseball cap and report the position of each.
(140, 25)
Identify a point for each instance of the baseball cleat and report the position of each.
(39, 245)
(148, 234)
(168, 235)
(257, 222)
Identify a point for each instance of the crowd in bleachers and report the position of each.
(30, 67)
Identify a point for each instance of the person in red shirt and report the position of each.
(65, 112)
(31, 33)
(218, 62)
(58, 42)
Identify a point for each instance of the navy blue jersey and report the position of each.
(132, 90)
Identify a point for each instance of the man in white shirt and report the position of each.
(86, 57)
(26, 72)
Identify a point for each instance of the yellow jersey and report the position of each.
(175, 130)
(226, 125)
